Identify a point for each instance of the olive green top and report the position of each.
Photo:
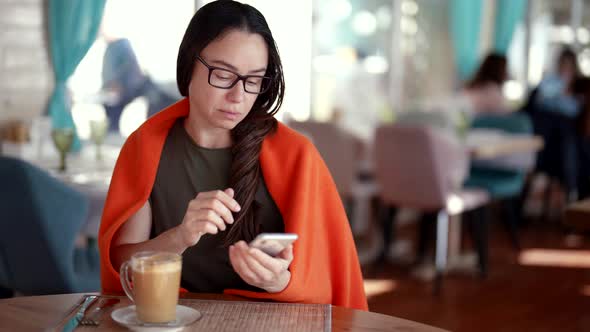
(185, 170)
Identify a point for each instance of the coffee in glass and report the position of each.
(153, 284)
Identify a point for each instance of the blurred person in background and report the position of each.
(554, 93)
(123, 80)
(483, 93)
(554, 106)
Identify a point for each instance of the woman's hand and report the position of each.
(259, 269)
(207, 213)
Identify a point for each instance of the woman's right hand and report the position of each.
(207, 213)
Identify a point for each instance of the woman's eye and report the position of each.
(224, 76)
(253, 81)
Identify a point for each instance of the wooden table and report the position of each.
(577, 215)
(37, 313)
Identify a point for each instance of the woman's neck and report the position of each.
(206, 136)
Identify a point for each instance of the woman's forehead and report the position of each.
(243, 50)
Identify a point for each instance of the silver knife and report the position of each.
(73, 322)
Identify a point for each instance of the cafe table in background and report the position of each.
(483, 146)
(85, 172)
(219, 313)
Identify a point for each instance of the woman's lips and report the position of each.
(230, 115)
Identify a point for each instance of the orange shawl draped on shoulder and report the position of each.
(325, 268)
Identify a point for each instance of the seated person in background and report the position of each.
(484, 92)
(206, 175)
(123, 80)
(554, 93)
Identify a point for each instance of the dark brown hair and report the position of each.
(209, 23)
(493, 69)
(581, 90)
(567, 55)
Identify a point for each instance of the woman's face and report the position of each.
(567, 68)
(239, 51)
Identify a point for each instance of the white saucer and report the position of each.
(127, 317)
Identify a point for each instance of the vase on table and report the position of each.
(98, 132)
(63, 138)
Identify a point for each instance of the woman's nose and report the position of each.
(236, 93)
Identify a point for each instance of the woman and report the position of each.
(555, 93)
(206, 175)
(556, 104)
(484, 91)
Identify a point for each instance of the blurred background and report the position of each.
(457, 132)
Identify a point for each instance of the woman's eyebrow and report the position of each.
(225, 64)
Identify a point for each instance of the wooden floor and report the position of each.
(514, 297)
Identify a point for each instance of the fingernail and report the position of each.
(238, 208)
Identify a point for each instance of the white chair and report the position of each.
(420, 168)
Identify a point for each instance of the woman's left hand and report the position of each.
(259, 269)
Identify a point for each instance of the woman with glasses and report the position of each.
(206, 175)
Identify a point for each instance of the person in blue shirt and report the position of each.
(123, 81)
(554, 92)
(555, 109)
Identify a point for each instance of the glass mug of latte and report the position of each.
(151, 280)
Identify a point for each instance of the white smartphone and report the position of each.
(273, 243)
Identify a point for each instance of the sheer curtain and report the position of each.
(508, 14)
(73, 26)
(465, 27)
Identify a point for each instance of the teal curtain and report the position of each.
(73, 26)
(508, 14)
(465, 17)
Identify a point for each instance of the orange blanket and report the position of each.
(325, 268)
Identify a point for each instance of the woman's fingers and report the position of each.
(241, 267)
(212, 217)
(223, 197)
(287, 253)
(264, 274)
(191, 231)
(202, 227)
(274, 265)
(209, 212)
(258, 269)
(214, 205)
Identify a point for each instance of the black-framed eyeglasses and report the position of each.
(226, 79)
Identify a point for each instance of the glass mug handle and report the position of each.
(125, 280)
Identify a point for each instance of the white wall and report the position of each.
(26, 79)
(290, 23)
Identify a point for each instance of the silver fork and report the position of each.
(93, 318)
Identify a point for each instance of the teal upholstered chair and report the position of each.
(41, 218)
(503, 184)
